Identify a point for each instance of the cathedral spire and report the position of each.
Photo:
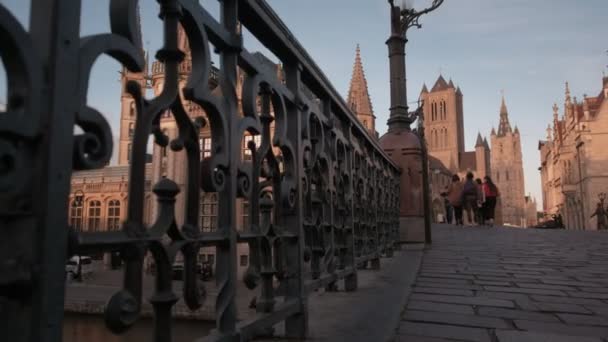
(479, 140)
(504, 127)
(358, 96)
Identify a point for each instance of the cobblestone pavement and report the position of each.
(508, 284)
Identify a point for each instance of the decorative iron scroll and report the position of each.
(323, 197)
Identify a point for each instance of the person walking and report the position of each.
(454, 195)
(491, 193)
(481, 199)
(469, 197)
(449, 210)
(600, 212)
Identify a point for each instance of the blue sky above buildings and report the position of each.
(529, 48)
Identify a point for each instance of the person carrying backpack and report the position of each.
(469, 197)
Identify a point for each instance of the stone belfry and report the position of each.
(127, 106)
(358, 96)
(444, 122)
(507, 169)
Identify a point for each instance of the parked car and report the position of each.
(79, 267)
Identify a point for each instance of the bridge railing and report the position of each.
(323, 196)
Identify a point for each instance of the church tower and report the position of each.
(358, 96)
(507, 169)
(443, 122)
(127, 106)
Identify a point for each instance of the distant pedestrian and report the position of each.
(491, 193)
(481, 199)
(454, 194)
(600, 212)
(469, 197)
(449, 210)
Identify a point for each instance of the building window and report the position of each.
(244, 260)
(94, 216)
(131, 129)
(205, 147)
(507, 175)
(211, 259)
(129, 152)
(76, 213)
(257, 139)
(209, 212)
(365, 123)
(114, 215)
(132, 109)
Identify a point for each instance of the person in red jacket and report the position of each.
(491, 193)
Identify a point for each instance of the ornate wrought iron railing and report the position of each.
(326, 207)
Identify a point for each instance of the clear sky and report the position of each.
(529, 48)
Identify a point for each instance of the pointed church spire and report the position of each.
(358, 96)
(567, 93)
(479, 142)
(440, 84)
(424, 89)
(485, 142)
(504, 127)
(451, 84)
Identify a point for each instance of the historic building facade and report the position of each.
(574, 159)
(98, 198)
(507, 169)
(444, 132)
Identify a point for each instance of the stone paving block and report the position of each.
(560, 328)
(505, 295)
(598, 310)
(583, 319)
(594, 289)
(442, 291)
(443, 280)
(455, 319)
(449, 285)
(516, 314)
(440, 307)
(525, 290)
(482, 301)
(545, 286)
(581, 294)
(445, 275)
(444, 331)
(492, 282)
(567, 300)
(561, 307)
(412, 338)
(528, 336)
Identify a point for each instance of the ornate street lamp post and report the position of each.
(403, 18)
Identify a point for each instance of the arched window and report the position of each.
(132, 109)
(76, 213)
(114, 215)
(507, 175)
(131, 129)
(209, 212)
(445, 137)
(129, 152)
(94, 216)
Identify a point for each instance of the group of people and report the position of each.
(476, 198)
